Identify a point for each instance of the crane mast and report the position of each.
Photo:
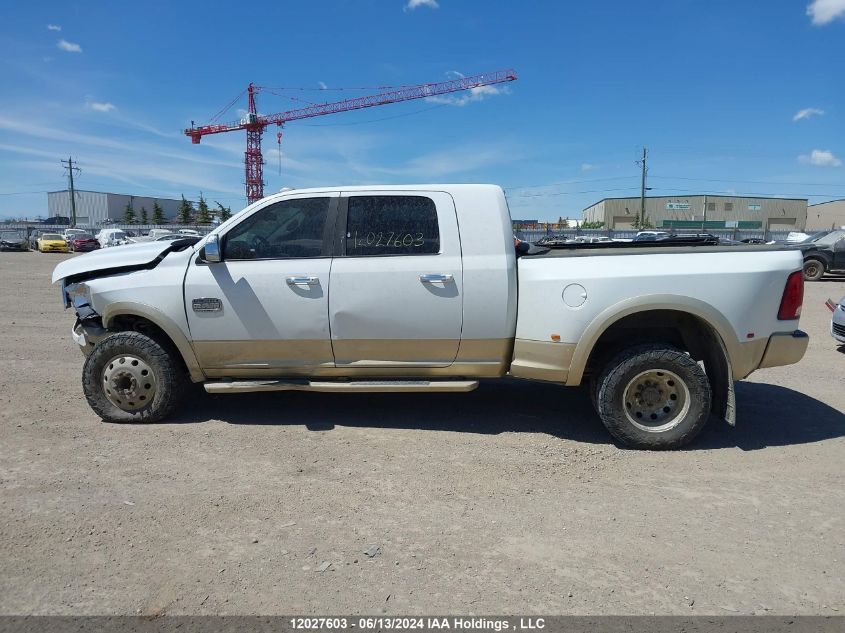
(254, 124)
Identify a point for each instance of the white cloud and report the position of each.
(588, 167)
(322, 85)
(54, 27)
(806, 113)
(415, 4)
(101, 107)
(70, 47)
(825, 11)
(479, 93)
(820, 158)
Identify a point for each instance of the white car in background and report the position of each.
(154, 234)
(111, 237)
(69, 234)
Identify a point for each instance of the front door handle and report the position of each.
(303, 281)
(433, 278)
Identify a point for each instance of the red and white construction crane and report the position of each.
(255, 123)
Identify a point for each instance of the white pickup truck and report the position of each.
(423, 288)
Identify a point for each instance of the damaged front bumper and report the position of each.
(88, 329)
(87, 335)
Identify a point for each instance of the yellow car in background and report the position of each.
(52, 243)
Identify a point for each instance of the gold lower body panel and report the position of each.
(480, 358)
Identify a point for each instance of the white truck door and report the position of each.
(263, 309)
(396, 290)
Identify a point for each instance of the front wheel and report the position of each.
(813, 269)
(129, 377)
(653, 397)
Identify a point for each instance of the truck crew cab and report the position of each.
(421, 288)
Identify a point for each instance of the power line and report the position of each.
(572, 193)
(754, 182)
(569, 182)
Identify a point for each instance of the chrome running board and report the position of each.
(328, 386)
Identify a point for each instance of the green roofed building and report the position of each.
(703, 211)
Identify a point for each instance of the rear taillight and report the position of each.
(793, 297)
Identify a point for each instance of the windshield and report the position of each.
(824, 237)
(11, 235)
(52, 236)
(83, 236)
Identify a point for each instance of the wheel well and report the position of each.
(819, 258)
(135, 323)
(681, 329)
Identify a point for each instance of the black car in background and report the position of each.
(13, 240)
(823, 252)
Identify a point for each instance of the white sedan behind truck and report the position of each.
(421, 288)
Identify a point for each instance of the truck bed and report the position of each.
(645, 248)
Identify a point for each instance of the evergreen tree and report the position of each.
(224, 213)
(185, 215)
(129, 214)
(158, 213)
(144, 218)
(202, 211)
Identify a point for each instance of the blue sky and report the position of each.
(728, 95)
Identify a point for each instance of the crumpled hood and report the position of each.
(116, 258)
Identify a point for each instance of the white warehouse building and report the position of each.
(95, 208)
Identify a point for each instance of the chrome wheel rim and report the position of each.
(129, 382)
(656, 400)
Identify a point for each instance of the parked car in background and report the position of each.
(650, 236)
(52, 243)
(157, 233)
(190, 232)
(13, 240)
(83, 242)
(837, 320)
(589, 239)
(33, 239)
(69, 234)
(111, 237)
(794, 237)
(823, 252)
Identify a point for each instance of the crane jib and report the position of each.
(255, 123)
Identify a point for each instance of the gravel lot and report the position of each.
(511, 499)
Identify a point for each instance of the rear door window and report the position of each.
(391, 225)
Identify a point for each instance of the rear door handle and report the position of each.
(433, 278)
(303, 281)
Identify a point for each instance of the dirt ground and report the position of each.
(510, 499)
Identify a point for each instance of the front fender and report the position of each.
(168, 326)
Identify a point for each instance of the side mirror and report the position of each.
(210, 252)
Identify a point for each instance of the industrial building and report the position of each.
(95, 208)
(703, 211)
(826, 215)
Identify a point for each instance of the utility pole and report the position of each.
(68, 164)
(642, 164)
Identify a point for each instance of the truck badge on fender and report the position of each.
(207, 304)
